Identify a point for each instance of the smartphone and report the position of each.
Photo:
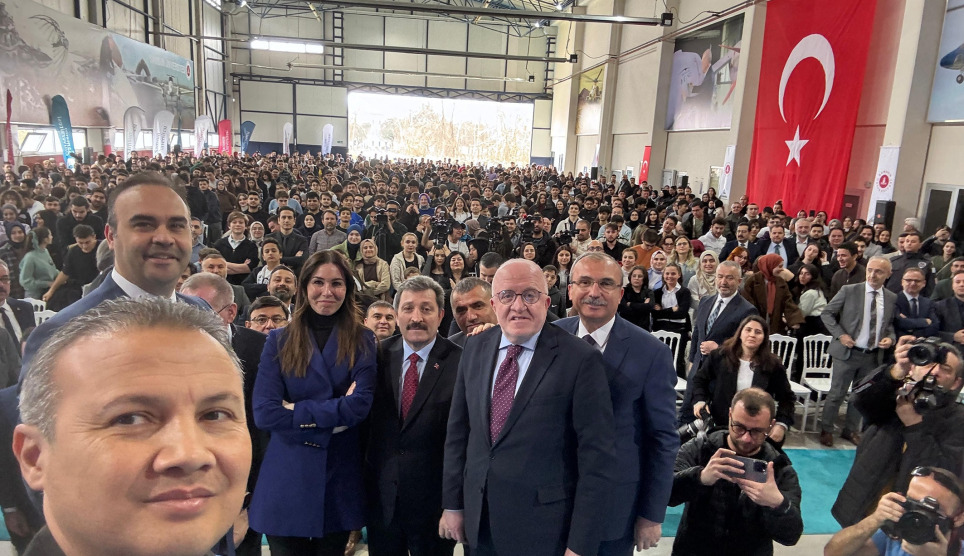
(753, 469)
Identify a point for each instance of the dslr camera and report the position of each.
(916, 526)
(698, 427)
(926, 394)
(441, 228)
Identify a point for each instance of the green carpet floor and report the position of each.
(821, 472)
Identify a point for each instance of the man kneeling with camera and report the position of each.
(911, 419)
(918, 523)
(741, 494)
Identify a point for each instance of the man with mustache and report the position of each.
(281, 284)
(471, 301)
(416, 376)
(642, 376)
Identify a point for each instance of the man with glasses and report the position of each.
(727, 514)
(900, 434)
(267, 313)
(868, 537)
(529, 456)
(916, 315)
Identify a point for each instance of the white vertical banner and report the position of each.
(287, 132)
(134, 121)
(726, 178)
(202, 126)
(327, 136)
(884, 181)
(163, 121)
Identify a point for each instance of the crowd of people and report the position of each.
(440, 352)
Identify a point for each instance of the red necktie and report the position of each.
(504, 392)
(410, 385)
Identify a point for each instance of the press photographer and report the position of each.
(532, 231)
(386, 230)
(919, 523)
(911, 419)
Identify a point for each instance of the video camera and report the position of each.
(441, 228)
(527, 227)
(916, 526)
(381, 215)
(564, 237)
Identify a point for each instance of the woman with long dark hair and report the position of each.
(672, 310)
(744, 360)
(636, 305)
(314, 387)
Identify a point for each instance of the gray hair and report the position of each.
(421, 284)
(594, 256)
(223, 294)
(732, 264)
(39, 394)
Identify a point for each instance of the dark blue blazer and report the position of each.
(310, 483)
(752, 249)
(546, 478)
(725, 326)
(108, 289)
(642, 378)
(23, 311)
(926, 309)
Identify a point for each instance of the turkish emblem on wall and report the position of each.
(811, 78)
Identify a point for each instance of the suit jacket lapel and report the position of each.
(545, 352)
(617, 346)
(490, 347)
(426, 384)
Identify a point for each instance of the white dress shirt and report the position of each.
(863, 337)
(523, 360)
(600, 335)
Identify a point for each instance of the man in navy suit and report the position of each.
(642, 376)
(776, 244)
(529, 455)
(742, 240)
(915, 314)
(17, 315)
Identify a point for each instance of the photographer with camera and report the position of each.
(912, 420)
(446, 233)
(918, 523)
(386, 230)
(741, 493)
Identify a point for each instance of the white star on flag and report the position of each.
(795, 146)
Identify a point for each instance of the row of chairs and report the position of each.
(40, 312)
(817, 368)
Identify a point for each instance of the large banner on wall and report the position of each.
(947, 94)
(100, 74)
(590, 100)
(811, 78)
(703, 80)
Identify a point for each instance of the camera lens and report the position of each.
(916, 528)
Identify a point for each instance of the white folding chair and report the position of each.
(817, 372)
(42, 316)
(38, 305)
(672, 339)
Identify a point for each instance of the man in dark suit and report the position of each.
(860, 318)
(529, 456)
(406, 445)
(915, 315)
(642, 376)
(949, 313)
(471, 301)
(742, 240)
(17, 315)
(777, 244)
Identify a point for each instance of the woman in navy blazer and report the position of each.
(315, 386)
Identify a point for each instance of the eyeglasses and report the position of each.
(530, 296)
(262, 320)
(756, 434)
(225, 307)
(606, 284)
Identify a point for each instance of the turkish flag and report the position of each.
(811, 78)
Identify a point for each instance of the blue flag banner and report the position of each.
(247, 128)
(60, 119)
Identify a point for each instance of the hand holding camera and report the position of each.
(920, 525)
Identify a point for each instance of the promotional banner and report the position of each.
(884, 181)
(134, 122)
(726, 178)
(947, 93)
(327, 133)
(701, 87)
(100, 74)
(247, 128)
(644, 165)
(202, 126)
(589, 102)
(60, 119)
(8, 130)
(287, 132)
(225, 137)
(163, 121)
(811, 77)
(108, 148)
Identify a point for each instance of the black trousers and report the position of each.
(332, 544)
(400, 538)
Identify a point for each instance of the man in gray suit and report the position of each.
(861, 320)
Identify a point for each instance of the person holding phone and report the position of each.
(734, 505)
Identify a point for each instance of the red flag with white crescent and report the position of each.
(811, 78)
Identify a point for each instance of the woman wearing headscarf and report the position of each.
(37, 269)
(657, 263)
(703, 283)
(314, 388)
(425, 205)
(256, 233)
(769, 292)
(373, 272)
(351, 247)
(12, 253)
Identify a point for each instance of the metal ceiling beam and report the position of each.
(446, 9)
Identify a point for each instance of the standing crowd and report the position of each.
(445, 353)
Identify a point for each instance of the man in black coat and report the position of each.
(79, 214)
(406, 444)
(743, 240)
(529, 450)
